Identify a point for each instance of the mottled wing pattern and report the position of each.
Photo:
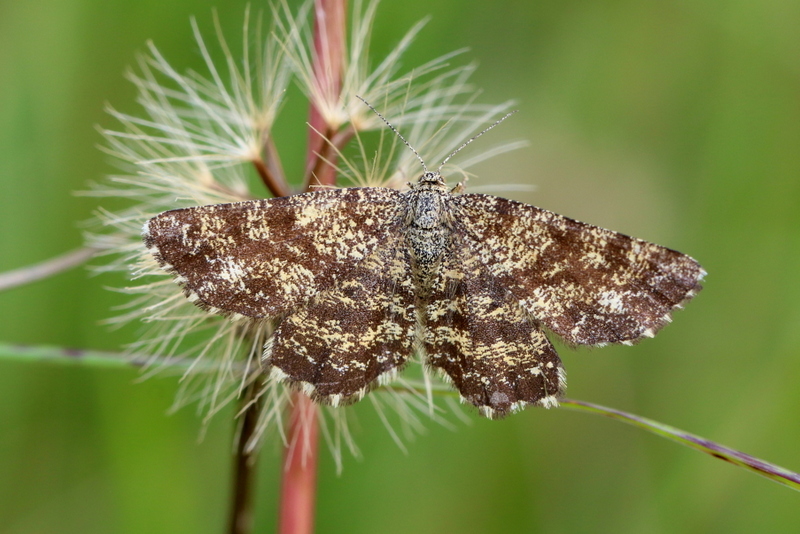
(263, 258)
(588, 285)
(354, 335)
(480, 336)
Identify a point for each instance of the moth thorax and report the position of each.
(428, 209)
(427, 245)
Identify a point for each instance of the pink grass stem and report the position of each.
(330, 18)
(299, 484)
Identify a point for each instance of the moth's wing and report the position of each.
(588, 285)
(354, 335)
(477, 332)
(264, 257)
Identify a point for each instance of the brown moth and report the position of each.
(358, 279)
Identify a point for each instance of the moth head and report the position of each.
(431, 177)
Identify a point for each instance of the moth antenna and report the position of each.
(424, 167)
(471, 139)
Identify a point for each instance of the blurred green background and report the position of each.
(677, 122)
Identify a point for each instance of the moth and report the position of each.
(358, 279)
